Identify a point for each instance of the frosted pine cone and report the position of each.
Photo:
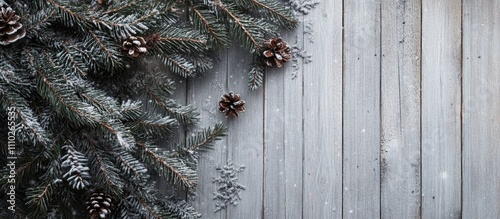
(276, 52)
(231, 104)
(99, 205)
(134, 46)
(10, 28)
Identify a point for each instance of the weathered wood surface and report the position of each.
(481, 109)
(400, 109)
(397, 116)
(322, 114)
(361, 105)
(441, 109)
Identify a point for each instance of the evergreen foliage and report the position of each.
(81, 126)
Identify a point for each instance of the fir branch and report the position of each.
(179, 65)
(98, 98)
(173, 169)
(171, 40)
(70, 18)
(130, 165)
(181, 44)
(155, 127)
(117, 9)
(122, 26)
(148, 209)
(208, 23)
(250, 36)
(103, 102)
(130, 110)
(256, 74)
(112, 60)
(77, 175)
(181, 209)
(26, 117)
(186, 115)
(30, 168)
(63, 99)
(39, 20)
(47, 88)
(272, 10)
(110, 176)
(202, 141)
(39, 199)
(68, 78)
(66, 57)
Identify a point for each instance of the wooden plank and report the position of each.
(204, 93)
(481, 104)
(274, 145)
(400, 145)
(283, 138)
(246, 137)
(441, 109)
(361, 109)
(322, 113)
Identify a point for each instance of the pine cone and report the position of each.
(99, 205)
(276, 51)
(10, 29)
(134, 46)
(231, 104)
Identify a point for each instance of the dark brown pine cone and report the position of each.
(276, 52)
(99, 205)
(134, 46)
(231, 104)
(10, 28)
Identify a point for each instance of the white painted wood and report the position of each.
(246, 137)
(441, 109)
(400, 109)
(322, 113)
(361, 104)
(204, 93)
(481, 109)
(274, 146)
(293, 137)
(283, 138)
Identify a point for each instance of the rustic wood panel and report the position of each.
(246, 138)
(204, 93)
(376, 126)
(322, 115)
(400, 108)
(441, 109)
(283, 140)
(361, 104)
(274, 146)
(481, 104)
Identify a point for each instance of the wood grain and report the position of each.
(383, 123)
(481, 104)
(274, 146)
(283, 139)
(361, 104)
(246, 138)
(400, 108)
(441, 109)
(204, 93)
(322, 113)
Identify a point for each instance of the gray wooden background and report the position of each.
(397, 116)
